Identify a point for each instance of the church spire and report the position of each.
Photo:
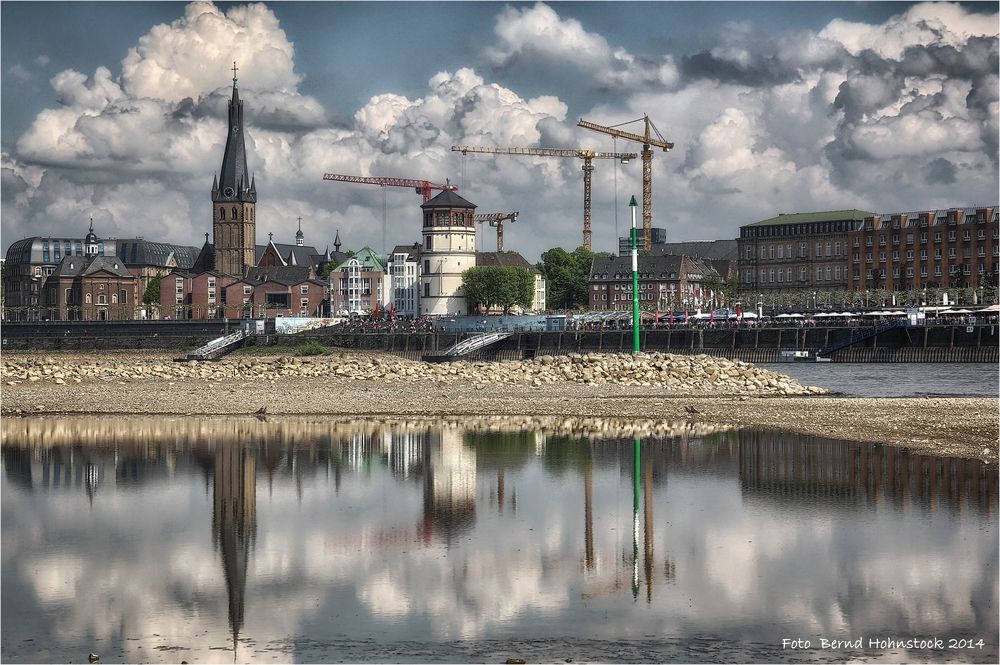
(300, 238)
(336, 242)
(234, 175)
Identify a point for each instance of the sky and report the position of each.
(117, 111)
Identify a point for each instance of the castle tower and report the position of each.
(449, 250)
(234, 199)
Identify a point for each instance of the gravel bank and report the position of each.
(619, 389)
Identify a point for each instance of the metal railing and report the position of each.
(218, 346)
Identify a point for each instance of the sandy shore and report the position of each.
(954, 427)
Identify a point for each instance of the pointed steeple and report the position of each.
(326, 254)
(300, 238)
(290, 261)
(336, 242)
(233, 173)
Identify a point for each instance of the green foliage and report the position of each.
(152, 293)
(500, 286)
(313, 348)
(566, 275)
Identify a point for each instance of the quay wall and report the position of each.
(938, 343)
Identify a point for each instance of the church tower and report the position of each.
(234, 199)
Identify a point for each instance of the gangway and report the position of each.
(468, 345)
(862, 335)
(219, 346)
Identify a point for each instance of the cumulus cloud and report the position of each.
(890, 116)
(536, 35)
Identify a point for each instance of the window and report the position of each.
(114, 298)
(909, 238)
(895, 255)
(123, 299)
(236, 214)
(881, 257)
(89, 300)
(802, 249)
(304, 290)
(909, 255)
(770, 251)
(881, 241)
(802, 273)
(937, 237)
(937, 252)
(909, 271)
(923, 254)
(278, 300)
(829, 249)
(868, 241)
(982, 234)
(923, 237)
(427, 266)
(428, 242)
(427, 289)
(967, 235)
(304, 305)
(982, 251)
(781, 277)
(102, 299)
(836, 248)
(781, 252)
(179, 282)
(222, 214)
(788, 274)
(819, 274)
(819, 249)
(749, 253)
(857, 241)
(763, 276)
(247, 290)
(937, 270)
(951, 235)
(763, 252)
(829, 273)
(895, 240)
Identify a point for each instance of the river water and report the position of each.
(896, 379)
(447, 541)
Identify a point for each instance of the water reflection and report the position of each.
(366, 537)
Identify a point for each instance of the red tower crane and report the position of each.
(422, 187)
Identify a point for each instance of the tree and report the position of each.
(566, 275)
(501, 286)
(152, 293)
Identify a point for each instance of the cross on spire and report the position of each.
(235, 69)
(300, 222)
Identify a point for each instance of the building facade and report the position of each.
(404, 273)
(807, 251)
(666, 283)
(953, 249)
(449, 249)
(360, 284)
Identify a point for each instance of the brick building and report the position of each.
(360, 284)
(955, 248)
(667, 282)
(807, 251)
(91, 288)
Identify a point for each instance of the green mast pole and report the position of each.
(635, 280)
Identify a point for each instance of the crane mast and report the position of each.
(648, 141)
(579, 153)
(497, 219)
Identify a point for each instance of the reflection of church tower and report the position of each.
(234, 199)
(234, 522)
(449, 484)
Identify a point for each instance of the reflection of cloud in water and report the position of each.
(347, 531)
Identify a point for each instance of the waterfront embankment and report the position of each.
(649, 387)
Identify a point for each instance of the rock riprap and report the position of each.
(674, 374)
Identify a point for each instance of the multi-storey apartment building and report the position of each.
(806, 250)
(404, 272)
(955, 248)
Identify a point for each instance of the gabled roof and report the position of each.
(448, 199)
(141, 252)
(508, 259)
(814, 217)
(708, 249)
(412, 251)
(667, 266)
(81, 266)
(278, 273)
(369, 260)
(303, 253)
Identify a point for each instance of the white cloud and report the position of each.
(925, 24)
(538, 33)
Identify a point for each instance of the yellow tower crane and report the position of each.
(580, 153)
(647, 140)
(497, 219)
